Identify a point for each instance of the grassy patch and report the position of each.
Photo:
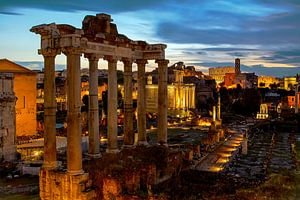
(278, 186)
(19, 197)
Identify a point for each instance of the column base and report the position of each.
(112, 151)
(74, 173)
(98, 155)
(128, 146)
(165, 144)
(143, 143)
(50, 165)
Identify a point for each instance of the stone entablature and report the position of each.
(97, 36)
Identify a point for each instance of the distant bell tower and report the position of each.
(237, 66)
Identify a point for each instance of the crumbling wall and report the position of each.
(61, 185)
(133, 173)
(7, 118)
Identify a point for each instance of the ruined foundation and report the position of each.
(61, 185)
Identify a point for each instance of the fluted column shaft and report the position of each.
(141, 102)
(128, 114)
(112, 117)
(93, 116)
(214, 113)
(49, 110)
(162, 101)
(296, 99)
(74, 148)
(219, 107)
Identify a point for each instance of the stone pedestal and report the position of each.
(162, 111)
(61, 185)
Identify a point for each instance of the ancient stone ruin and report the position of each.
(7, 118)
(97, 39)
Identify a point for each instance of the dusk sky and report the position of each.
(264, 34)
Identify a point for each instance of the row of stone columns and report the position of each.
(74, 148)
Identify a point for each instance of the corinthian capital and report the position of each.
(162, 62)
(111, 59)
(93, 56)
(49, 52)
(141, 62)
(127, 61)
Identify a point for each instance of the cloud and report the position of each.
(79, 5)
(264, 31)
(38, 65)
(9, 13)
(289, 56)
(220, 36)
(228, 49)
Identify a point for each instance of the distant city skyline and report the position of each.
(263, 34)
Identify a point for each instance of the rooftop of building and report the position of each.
(7, 66)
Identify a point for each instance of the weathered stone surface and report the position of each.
(7, 117)
(62, 185)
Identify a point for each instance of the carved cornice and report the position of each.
(98, 36)
(72, 50)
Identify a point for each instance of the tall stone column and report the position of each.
(128, 115)
(214, 113)
(141, 101)
(74, 148)
(219, 107)
(50, 161)
(93, 117)
(296, 99)
(112, 117)
(162, 126)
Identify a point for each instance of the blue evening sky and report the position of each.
(264, 34)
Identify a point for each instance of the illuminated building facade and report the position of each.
(85, 89)
(25, 91)
(292, 101)
(218, 73)
(266, 81)
(289, 82)
(231, 76)
(263, 112)
(181, 97)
